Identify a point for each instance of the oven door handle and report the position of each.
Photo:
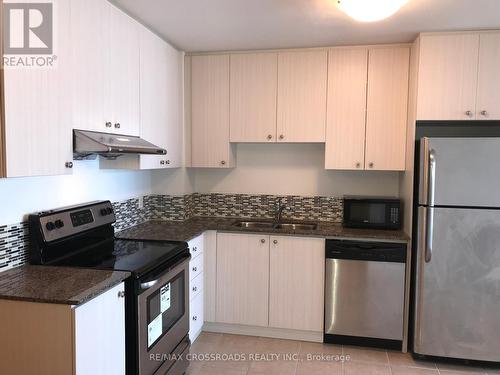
(150, 283)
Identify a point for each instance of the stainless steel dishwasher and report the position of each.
(365, 293)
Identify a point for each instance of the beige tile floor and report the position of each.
(221, 354)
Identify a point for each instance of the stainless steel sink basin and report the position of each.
(271, 225)
(254, 224)
(297, 226)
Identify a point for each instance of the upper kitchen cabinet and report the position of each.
(38, 131)
(387, 108)
(253, 86)
(367, 108)
(161, 101)
(488, 93)
(302, 86)
(447, 77)
(210, 145)
(105, 68)
(346, 117)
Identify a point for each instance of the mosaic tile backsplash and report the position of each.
(14, 238)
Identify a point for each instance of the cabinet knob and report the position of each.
(282, 136)
(162, 162)
(484, 113)
(69, 164)
(195, 318)
(469, 113)
(269, 137)
(195, 269)
(195, 249)
(223, 162)
(275, 242)
(371, 165)
(117, 125)
(121, 294)
(168, 161)
(195, 288)
(263, 241)
(108, 124)
(358, 165)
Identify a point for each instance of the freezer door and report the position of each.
(458, 285)
(465, 171)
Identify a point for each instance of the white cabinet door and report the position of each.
(124, 72)
(196, 317)
(209, 275)
(488, 93)
(447, 77)
(242, 279)
(296, 290)
(210, 145)
(90, 65)
(346, 114)
(302, 82)
(100, 334)
(161, 100)
(38, 129)
(253, 97)
(387, 108)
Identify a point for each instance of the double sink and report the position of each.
(275, 226)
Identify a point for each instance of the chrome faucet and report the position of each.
(280, 207)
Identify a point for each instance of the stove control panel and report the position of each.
(68, 221)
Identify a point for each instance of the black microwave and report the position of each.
(374, 213)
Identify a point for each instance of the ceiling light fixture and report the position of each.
(370, 10)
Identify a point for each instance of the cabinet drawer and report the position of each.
(196, 246)
(195, 286)
(195, 316)
(195, 267)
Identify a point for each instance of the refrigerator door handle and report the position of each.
(429, 233)
(432, 177)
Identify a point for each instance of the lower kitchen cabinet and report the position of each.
(242, 279)
(270, 281)
(63, 339)
(297, 274)
(196, 276)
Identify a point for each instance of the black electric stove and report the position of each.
(83, 236)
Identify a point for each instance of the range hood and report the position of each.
(89, 144)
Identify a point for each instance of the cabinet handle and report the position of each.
(269, 137)
(469, 113)
(275, 242)
(117, 125)
(358, 165)
(282, 136)
(121, 294)
(108, 124)
(195, 289)
(195, 318)
(223, 162)
(263, 241)
(69, 164)
(162, 162)
(195, 249)
(484, 113)
(168, 162)
(371, 165)
(195, 269)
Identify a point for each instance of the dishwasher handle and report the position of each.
(366, 251)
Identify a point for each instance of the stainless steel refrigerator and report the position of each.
(457, 307)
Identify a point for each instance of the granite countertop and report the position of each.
(60, 285)
(187, 230)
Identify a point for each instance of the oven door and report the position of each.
(163, 315)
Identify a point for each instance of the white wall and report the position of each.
(278, 169)
(21, 196)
